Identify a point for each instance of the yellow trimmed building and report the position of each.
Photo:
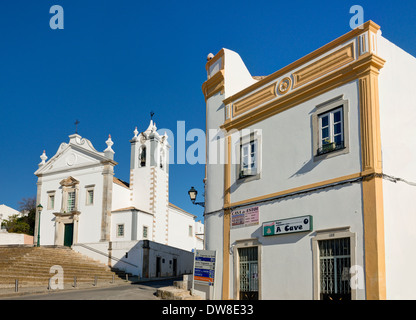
(314, 198)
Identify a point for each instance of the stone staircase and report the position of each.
(31, 266)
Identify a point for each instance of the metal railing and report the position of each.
(330, 147)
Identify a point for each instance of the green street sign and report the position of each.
(285, 226)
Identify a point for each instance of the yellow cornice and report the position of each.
(213, 85)
(255, 99)
(300, 189)
(368, 26)
(366, 63)
(214, 59)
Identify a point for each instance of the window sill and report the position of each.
(331, 153)
(242, 179)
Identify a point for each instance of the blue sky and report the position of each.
(115, 61)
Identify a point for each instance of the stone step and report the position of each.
(44, 282)
(27, 265)
(68, 273)
(174, 293)
(31, 266)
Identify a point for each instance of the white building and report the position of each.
(6, 238)
(85, 206)
(316, 198)
(6, 212)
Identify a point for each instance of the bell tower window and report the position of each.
(142, 156)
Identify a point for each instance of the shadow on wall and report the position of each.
(148, 259)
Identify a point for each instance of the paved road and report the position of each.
(142, 291)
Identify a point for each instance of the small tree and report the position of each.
(26, 222)
(28, 207)
(16, 224)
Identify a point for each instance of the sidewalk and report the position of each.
(10, 291)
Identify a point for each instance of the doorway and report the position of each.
(158, 267)
(175, 267)
(249, 273)
(68, 234)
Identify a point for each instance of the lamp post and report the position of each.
(192, 195)
(39, 212)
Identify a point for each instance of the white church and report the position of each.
(131, 225)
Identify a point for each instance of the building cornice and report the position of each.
(368, 26)
(367, 63)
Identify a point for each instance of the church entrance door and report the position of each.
(69, 234)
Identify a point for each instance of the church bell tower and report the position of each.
(149, 178)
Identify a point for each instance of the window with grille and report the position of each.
(334, 265)
(51, 201)
(71, 201)
(120, 230)
(249, 277)
(90, 197)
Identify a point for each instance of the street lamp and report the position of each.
(39, 212)
(192, 195)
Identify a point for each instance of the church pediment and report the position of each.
(76, 154)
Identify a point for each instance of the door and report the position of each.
(68, 234)
(249, 276)
(334, 265)
(175, 266)
(158, 266)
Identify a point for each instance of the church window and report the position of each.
(51, 200)
(145, 232)
(142, 156)
(70, 188)
(162, 159)
(90, 196)
(71, 201)
(190, 231)
(120, 230)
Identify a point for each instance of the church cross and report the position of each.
(76, 125)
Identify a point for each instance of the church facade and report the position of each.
(87, 208)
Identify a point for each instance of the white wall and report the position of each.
(287, 161)
(15, 238)
(168, 253)
(397, 110)
(179, 237)
(6, 212)
(287, 149)
(133, 221)
(121, 197)
(214, 241)
(90, 217)
(133, 263)
(286, 260)
(398, 131)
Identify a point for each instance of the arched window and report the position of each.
(162, 159)
(142, 156)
